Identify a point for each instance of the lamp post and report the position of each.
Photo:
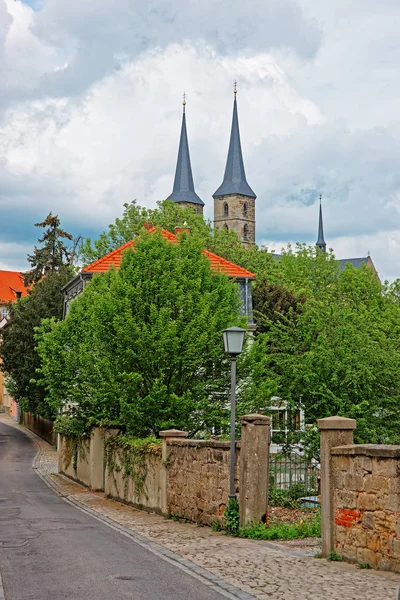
(233, 342)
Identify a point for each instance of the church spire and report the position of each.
(321, 241)
(183, 190)
(235, 177)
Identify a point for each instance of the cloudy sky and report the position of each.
(90, 110)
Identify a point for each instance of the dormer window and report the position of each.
(245, 210)
(246, 233)
(226, 210)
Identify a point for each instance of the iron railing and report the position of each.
(288, 470)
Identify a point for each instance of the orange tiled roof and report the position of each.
(218, 263)
(11, 282)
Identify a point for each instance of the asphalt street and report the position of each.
(49, 550)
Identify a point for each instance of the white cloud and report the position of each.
(120, 140)
(90, 113)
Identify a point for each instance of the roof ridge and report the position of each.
(109, 255)
(228, 262)
(230, 268)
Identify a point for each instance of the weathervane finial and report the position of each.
(320, 198)
(184, 101)
(235, 87)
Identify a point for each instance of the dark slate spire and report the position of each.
(183, 190)
(320, 241)
(235, 177)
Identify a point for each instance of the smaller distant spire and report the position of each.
(321, 241)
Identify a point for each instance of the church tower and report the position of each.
(183, 190)
(234, 200)
(321, 241)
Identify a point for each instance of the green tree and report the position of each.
(273, 302)
(142, 346)
(53, 254)
(19, 357)
(340, 355)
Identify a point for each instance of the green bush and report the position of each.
(231, 517)
(288, 498)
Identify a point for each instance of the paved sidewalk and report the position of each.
(262, 570)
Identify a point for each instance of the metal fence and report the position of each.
(287, 471)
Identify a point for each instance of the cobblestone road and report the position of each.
(264, 570)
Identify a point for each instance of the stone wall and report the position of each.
(198, 479)
(83, 460)
(42, 427)
(74, 459)
(366, 504)
(186, 478)
(143, 490)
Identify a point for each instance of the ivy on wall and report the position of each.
(128, 455)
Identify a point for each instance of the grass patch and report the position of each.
(307, 527)
(334, 556)
(363, 565)
(216, 526)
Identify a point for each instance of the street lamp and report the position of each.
(233, 342)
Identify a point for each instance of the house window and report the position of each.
(226, 210)
(226, 227)
(245, 210)
(246, 232)
(4, 313)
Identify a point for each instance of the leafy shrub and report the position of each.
(288, 498)
(231, 517)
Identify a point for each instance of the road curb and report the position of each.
(2, 596)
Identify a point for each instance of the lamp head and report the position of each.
(233, 340)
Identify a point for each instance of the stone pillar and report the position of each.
(167, 435)
(254, 464)
(60, 453)
(334, 431)
(96, 459)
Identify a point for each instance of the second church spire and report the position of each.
(234, 200)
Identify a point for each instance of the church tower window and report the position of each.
(226, 227)
(245, 210)
(246, 232)
(226, 210)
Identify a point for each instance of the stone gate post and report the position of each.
(334, 431)
(254, 463)
(96, 459)
(166, 435)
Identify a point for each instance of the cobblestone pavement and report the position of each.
(265, 570)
